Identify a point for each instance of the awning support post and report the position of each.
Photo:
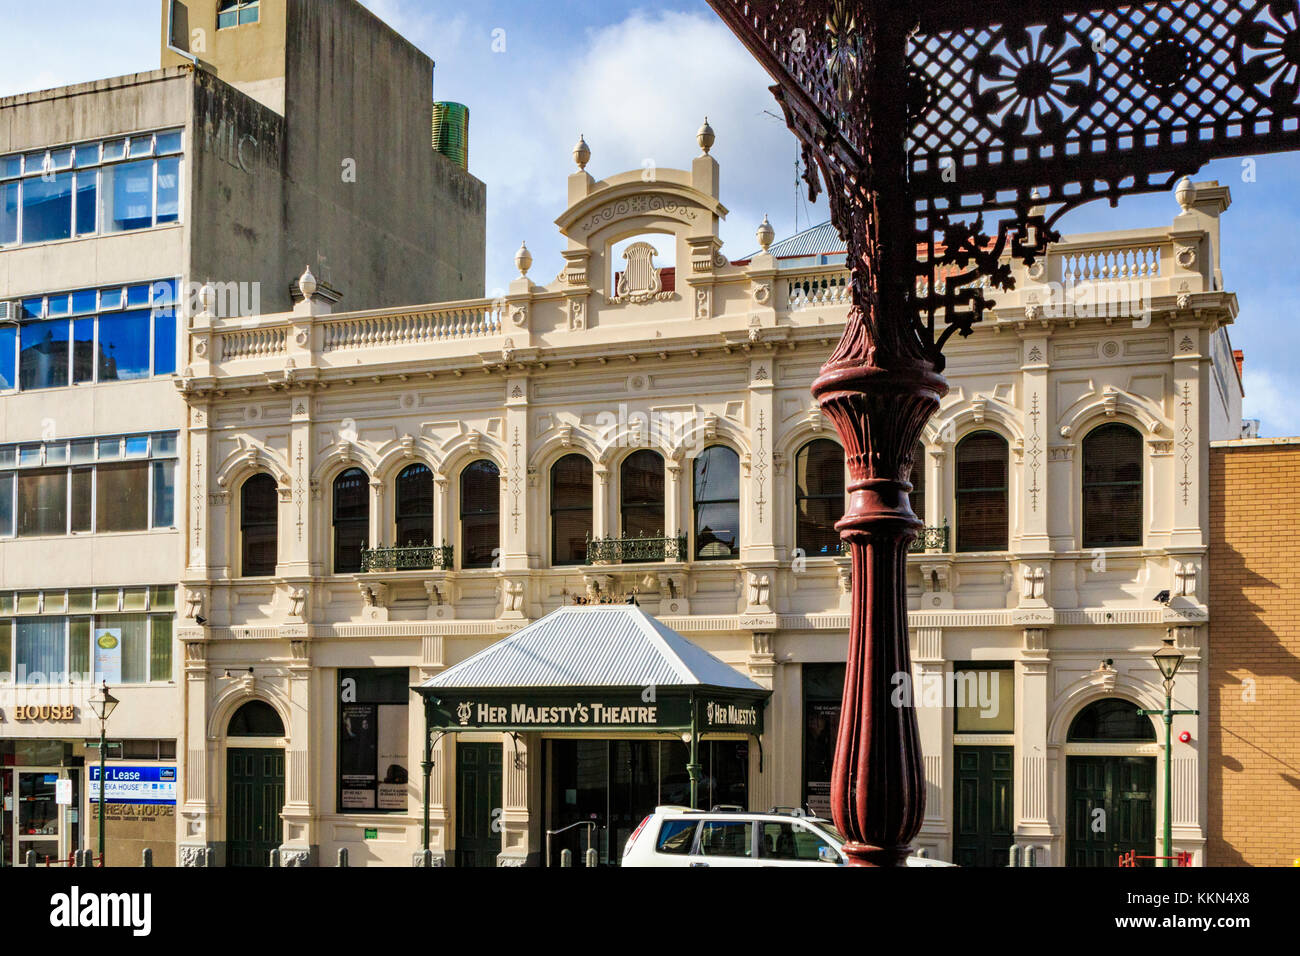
(693, 766)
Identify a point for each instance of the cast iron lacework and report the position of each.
(1019, 119)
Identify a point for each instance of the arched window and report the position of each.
(717, 504)
(641, 489)
(351, 519)
(480, 514)
(1112, 487)
(571, 509)
(917, 497)
(1112, 719)
(257, 718)
(982, 514)
(413, 507)
(258, 527)
(819, 497)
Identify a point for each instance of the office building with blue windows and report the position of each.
(224, 170)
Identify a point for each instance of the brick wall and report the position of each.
(1254, 648)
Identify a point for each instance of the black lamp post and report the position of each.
(103, 704)
(1168, 658)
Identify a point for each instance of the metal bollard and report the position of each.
(593, 856)
(566, 858)
(1013, 855)
(31, 858)
(1031, 855)
(343, 856)
(426, 859)
(275, 858)
(207, 858)
(147, 860)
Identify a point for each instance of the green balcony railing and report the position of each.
(930, 539)
(421, 558)
(639, 548)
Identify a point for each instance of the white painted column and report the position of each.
(928, 665)
(1033, 824)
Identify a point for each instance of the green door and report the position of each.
(255, 799)
(478, 804)
(1111, 809)
(983, 805)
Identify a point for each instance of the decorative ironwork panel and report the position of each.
(424, 558)
(1017, 112)
(619, 550)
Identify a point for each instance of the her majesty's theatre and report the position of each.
(412, 536)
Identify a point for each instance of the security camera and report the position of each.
(200, 620)
(1162, 597)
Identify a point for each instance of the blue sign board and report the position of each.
(149, 785)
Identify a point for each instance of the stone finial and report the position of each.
(706, 136)
(523, 259)
(765, 234)
(582, 153)
(307, 284)
(1185, 193)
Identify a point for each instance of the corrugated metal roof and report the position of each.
(817, 241)
(605, 645)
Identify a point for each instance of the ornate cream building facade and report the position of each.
(376, 496)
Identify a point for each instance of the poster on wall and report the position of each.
(359, 755)
(108, 654)
(141, 785)
(822, 722)
(392, 757)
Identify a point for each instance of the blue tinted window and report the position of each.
(110, 299)
(10, 167)
(124, 346)
(87, 155)
(169, 143)
(6, 506)
(169, 189)
(164, 292)
(33, 309)
(87, 202)
(137, 296)
(8, 214)
(43, 360)
(137, 446)
(84, 302)
(141, 146)
(164, 342)
(164, 494)
(83, 351)
(128, 197)
(47, 208)
(8, 352)
(115, 150)
(57, 305)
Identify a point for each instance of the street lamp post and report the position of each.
(1168, 658)
(103, 704)
(921, 118)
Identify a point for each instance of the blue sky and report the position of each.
(637, 79)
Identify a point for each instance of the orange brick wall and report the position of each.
(1254, 571)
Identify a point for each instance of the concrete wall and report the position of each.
(1254, 694)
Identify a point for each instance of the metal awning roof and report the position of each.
(593, 646)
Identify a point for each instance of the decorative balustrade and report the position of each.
(421, 558)
(810, 291)
(253, 343)
(411, 328)
(632, 549)
(1110, 265)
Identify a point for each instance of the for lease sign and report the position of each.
(148, 785)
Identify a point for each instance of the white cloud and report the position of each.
(1270, 399)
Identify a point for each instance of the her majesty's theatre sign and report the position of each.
(654, 709)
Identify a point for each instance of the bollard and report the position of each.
(593, 857)
(1031, 855)
(343, 856)
(207, 858)
(1013, 855)
(31, 858)
(275, 858)
(566, 858)
(148, 858)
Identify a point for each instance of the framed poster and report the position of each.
(108, 654)
(373, 740)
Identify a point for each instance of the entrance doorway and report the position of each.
(478, 802)
(34, 820)
(983, 808)
(1111, 796)
(254, 785)
(616, 783)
